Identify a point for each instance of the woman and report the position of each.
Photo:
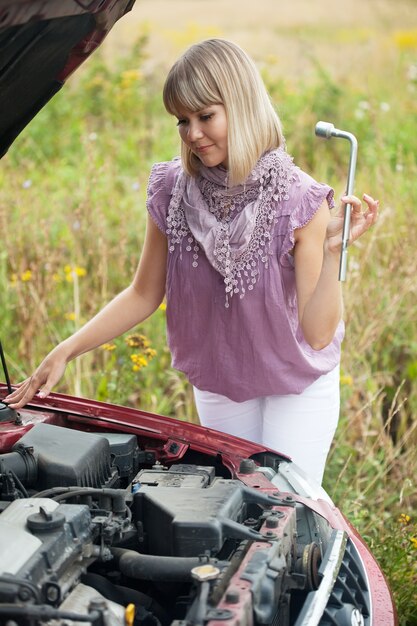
(242, 244)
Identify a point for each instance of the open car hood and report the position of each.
(41, 43)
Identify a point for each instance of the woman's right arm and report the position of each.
(130, 307)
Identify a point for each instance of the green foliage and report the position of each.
(398, 559)
(72, 204)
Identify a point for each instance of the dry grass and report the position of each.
(346, 37)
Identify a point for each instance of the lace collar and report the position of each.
(231, 225)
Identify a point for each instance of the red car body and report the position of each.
(167, 443)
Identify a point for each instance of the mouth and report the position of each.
(202, 149)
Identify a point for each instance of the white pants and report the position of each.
(301, 426)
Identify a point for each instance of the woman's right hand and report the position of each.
(46, 376)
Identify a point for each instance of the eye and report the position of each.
(181, 122)
(206, 117)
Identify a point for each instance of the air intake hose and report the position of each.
(22, 462)
(156, 568)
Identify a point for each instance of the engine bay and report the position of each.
(101, 525)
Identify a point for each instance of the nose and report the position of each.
(194, 131)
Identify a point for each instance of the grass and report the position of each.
(72, 206)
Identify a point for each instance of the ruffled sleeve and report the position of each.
(307, 197)
(160, 187)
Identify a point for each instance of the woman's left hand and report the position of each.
(360, 221)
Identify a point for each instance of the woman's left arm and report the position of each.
(316, 257)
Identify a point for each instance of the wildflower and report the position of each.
(72, 271)
(129, 77)
(361, 109)
(27, 183)
(163, 306)
(404, 519)
(93, 136)
(26, 276)
(137, 341)
(414, 541)
(70, 316)
(138, 361)
(385, 107)
(109, 347)
(97, 82)
(406, 38)
(136, 185)
(13, 280)
(150, 353)
(346, 379)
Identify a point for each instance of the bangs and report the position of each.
(189, 88)
(217, 71)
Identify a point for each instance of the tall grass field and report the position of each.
(72, 215)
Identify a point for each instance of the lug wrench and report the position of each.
(327, 130)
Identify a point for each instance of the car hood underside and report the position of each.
(41, 44)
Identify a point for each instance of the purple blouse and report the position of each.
(254, 346)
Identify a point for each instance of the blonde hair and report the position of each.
(217, 71)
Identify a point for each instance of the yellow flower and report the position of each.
(97, 81)
(129, 77)
(406, 38)
(414, 541)
(13, 280)
(150, 353)
(138, 361)
(404, 519)
(137, 341)
(109, 347)
(56, 278)
(70, 316)
(73, 270)
(163, 306)
(346, 379)
(26, 276)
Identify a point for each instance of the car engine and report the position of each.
(94, 529)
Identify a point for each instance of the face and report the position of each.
(205, 133)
